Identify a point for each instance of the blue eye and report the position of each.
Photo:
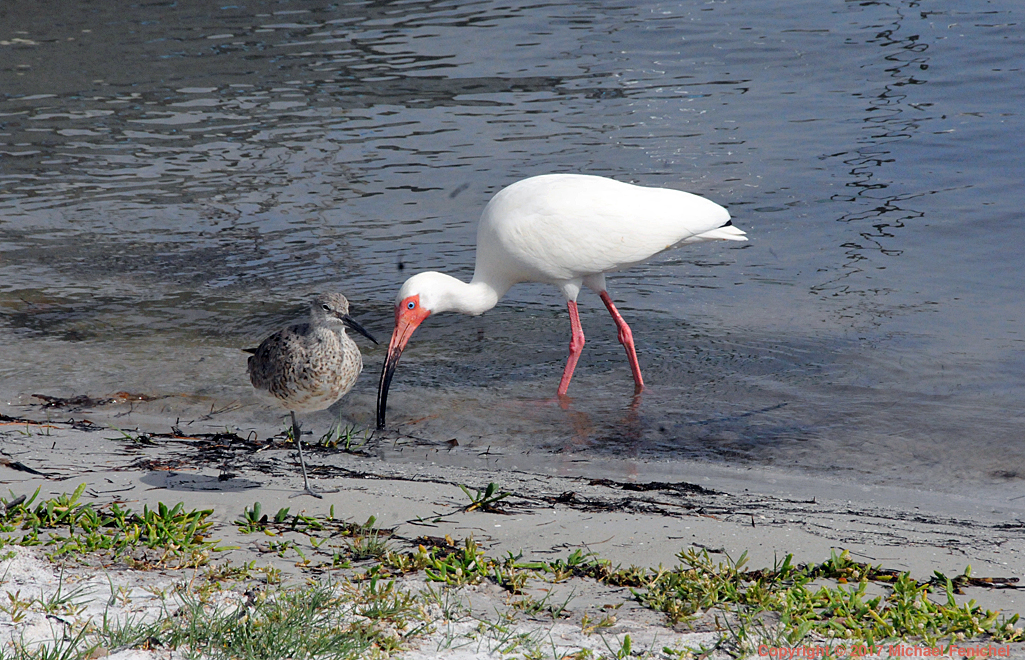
(411, 305)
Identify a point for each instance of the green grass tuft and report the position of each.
(72, 528)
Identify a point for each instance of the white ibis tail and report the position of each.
(562, 229)
(309, 366)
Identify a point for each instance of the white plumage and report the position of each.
(562, 229)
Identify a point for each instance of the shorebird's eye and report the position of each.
(327, 308)
(411, 305)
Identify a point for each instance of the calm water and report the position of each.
(175, 179)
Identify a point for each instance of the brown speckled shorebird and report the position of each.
(309, 366)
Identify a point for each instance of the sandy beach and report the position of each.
(830, 431)
(412, 488)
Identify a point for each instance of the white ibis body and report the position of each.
(563, 229)
(309, 366)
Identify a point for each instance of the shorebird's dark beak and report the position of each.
(351, 323)
(406, 321)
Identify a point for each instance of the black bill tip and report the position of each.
(382, 389)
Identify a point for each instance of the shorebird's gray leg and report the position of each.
(297, 434)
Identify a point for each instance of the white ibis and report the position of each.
(563, 229)
(309, 366)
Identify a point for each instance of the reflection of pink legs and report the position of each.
(576, 347)
(626, 338)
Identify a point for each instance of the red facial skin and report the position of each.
(409, 314)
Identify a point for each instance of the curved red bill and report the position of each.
(409, 314)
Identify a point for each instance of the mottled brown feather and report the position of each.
(308, 366)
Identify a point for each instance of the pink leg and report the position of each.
(626, 338)
(576, 347)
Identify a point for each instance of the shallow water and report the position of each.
(175, 180)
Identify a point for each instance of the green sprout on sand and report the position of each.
(73, 528)
(484, 500)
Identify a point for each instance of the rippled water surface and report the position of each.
(176, 178)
